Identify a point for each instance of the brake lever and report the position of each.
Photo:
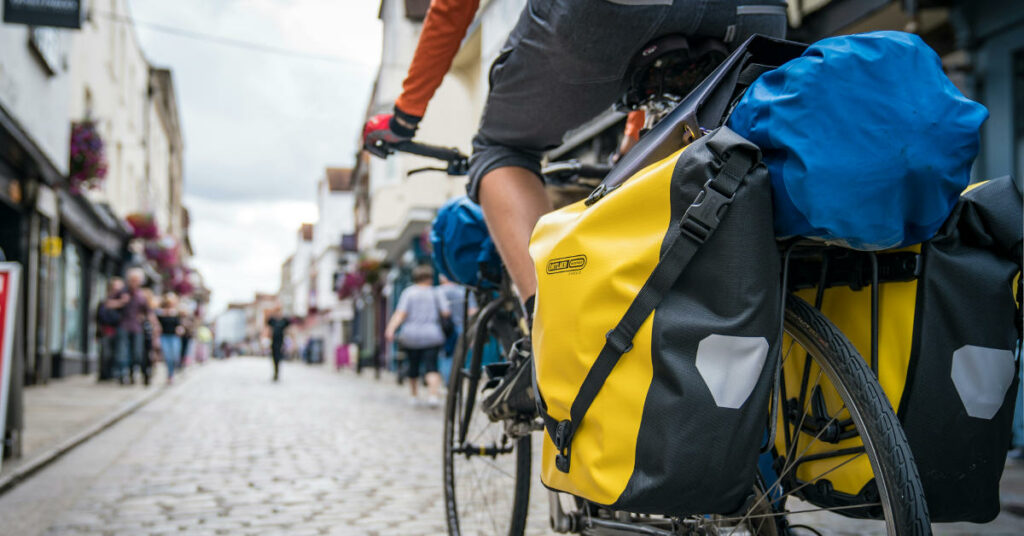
(379, 148)
(422, 169)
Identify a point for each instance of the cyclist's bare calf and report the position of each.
(513, 199)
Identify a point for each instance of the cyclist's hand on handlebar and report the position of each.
(386, 129)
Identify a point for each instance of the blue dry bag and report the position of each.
(463, 249)
(868, 143)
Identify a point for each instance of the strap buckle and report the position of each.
(620, 343)
(702, 217)
(563, 442)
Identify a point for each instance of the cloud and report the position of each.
(259, 128)
(240, 245)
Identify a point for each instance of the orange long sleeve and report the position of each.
(634, 124)
(443, 30)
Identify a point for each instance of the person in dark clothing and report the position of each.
(277, 324)
(108, 321)
(148, 334)
(129, 335)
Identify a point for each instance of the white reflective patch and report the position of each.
(731, 366)
(982, 376)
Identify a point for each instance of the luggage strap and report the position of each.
(696, 226)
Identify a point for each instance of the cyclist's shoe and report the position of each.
(513, 395)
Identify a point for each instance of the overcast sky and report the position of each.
(259, 128)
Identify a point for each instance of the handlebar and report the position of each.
(458, 163)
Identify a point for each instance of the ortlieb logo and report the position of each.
(564, 265)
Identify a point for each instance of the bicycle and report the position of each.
(488, 452)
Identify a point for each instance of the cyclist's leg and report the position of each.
(562, 65)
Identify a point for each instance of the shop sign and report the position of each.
(58, 13)
(9, 278)
(52, 246)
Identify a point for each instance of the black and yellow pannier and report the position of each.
(654, 386)
(946, 354)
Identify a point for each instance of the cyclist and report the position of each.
(562, 65)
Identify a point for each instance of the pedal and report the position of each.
(496, 371)
(514, 396)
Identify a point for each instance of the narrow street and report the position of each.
(227, 451)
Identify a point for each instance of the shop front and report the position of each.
(92, 250)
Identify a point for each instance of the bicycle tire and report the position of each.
(879, 427)
(455, 417)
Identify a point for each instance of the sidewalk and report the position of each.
(67, 411)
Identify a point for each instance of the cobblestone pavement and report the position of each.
(60, 409)
(229, 452)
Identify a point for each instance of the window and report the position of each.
(99, 291)
(416, 10)
(73, 296)
(56, 338)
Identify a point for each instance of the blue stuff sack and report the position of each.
(463, 249)
(868, 143)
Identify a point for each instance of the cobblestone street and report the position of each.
(227, 451)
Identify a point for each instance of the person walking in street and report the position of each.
(420, 312)
(277, 325)
(108, 321)
(204, 337)
(187, 327)
(130, 335)
(149, 333)
(169, 317)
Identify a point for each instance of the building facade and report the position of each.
(65, 222)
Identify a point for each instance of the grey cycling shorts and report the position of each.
(565, 60)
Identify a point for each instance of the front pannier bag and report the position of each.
(655, 333)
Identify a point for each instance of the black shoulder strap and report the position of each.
(696, 226)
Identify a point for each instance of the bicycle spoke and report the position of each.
(790, 463)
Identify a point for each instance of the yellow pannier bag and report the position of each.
(655, 333)
(948, 336)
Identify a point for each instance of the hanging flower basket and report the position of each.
(181, 282)
(164, 252)
(370, 270)
(350, 284)
(143, 226)
(88, 163)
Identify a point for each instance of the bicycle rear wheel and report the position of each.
(833, 415)
(486, 472)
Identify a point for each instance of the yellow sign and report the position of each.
(52, 246)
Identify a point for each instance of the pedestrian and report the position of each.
(420, 312)
(169, 317)
(130, 336)
(456, 297)
(108, 321)
(149, 333)
(277, 325)
(187, 327)
(202, 345)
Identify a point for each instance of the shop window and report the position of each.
(99, 293)
(73, 299)
(416, 10)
